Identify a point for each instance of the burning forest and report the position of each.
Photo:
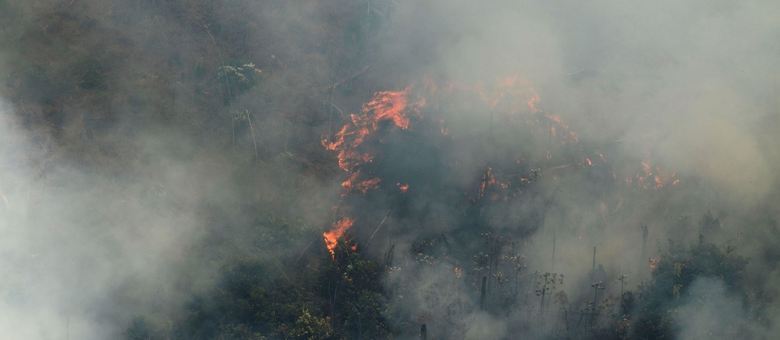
(192, 169)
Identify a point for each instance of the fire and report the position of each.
(556, 124)
(390, 106)
(498, 187)
(653, 177)
(659, 182)
(352, 183)
(393, 106)
(513, 97)
(653, 262)
(333, 235)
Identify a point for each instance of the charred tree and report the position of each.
(483, 293)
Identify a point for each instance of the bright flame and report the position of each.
(332, 236)
(391, 106)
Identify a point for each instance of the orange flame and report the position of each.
(366, 185)
(390, 106)
(384, 106)
(508, 96)
(653, 263)
(654, 177)
(332, 236)
(353, 183)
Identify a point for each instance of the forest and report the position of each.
(385, 169)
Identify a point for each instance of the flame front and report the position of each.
(653, 177)
(511, 97)
(331, 237)
(390, 106)
(384, 106)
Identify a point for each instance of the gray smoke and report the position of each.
(105, 216)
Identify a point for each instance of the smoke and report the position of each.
(711, 314)
(77, 242)
(682, 84)
(129, 183)
(117, 197)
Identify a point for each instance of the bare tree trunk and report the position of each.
(483, 292)
(252, 132)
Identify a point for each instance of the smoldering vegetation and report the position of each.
(534, 169)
